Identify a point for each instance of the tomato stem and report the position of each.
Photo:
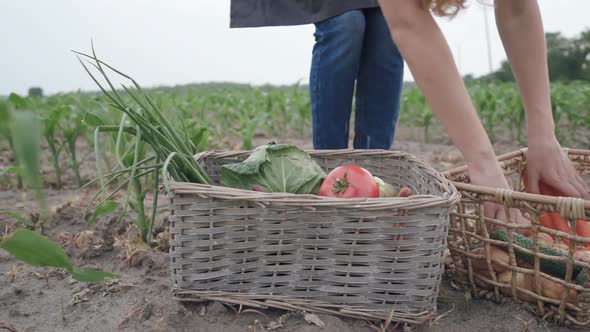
(340, 186)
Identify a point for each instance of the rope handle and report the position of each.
(504, 196)
(571, 208)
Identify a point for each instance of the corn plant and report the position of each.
(514, 114)
(570, 103)
(5, 134)
(485, 103)
(26, 137)
(73, 128)
(26, 245)
(558, 105)
(302, 105)
(416, 107)
(7, 117)
(248, 120)
(52, 121)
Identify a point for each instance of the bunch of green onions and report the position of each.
(151, 126)
(171, 152)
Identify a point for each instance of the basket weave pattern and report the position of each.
(469, 229)
(364, 258)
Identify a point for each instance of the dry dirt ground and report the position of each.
(39, 299)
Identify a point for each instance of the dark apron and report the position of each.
(258, 13)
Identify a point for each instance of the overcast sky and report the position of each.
(167, 42)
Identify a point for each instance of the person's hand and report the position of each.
(550, 172)
(490, 174)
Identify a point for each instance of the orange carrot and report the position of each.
(554, 220)
(561, 225)
(546, 220)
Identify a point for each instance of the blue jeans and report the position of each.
(355, 46)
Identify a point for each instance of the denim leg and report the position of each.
(334, 69)
(379, 85)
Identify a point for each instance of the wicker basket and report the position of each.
(470, 231)
(372, 259)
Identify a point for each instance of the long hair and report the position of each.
(444, 7)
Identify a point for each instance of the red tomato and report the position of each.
(349, 181)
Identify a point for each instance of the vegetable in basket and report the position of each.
(554, 268)
(496, 255)
(287, 169)
(275, 168)
(349, 181)
(553, 220)
(524, 281)
(385, 189)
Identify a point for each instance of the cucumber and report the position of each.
(556, 269)
(581, 278)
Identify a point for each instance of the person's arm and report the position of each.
(429, 58)
(521, 30)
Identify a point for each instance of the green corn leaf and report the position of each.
(4, 120)
(11, 170)
(20, 219)
(92, 119)
(18, 102)
(86, 275)
(26, 134)
(106, 207)
(37, 250)
(200, 138)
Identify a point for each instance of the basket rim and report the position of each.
(451, 196)
(515, 195)
(510, 155)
